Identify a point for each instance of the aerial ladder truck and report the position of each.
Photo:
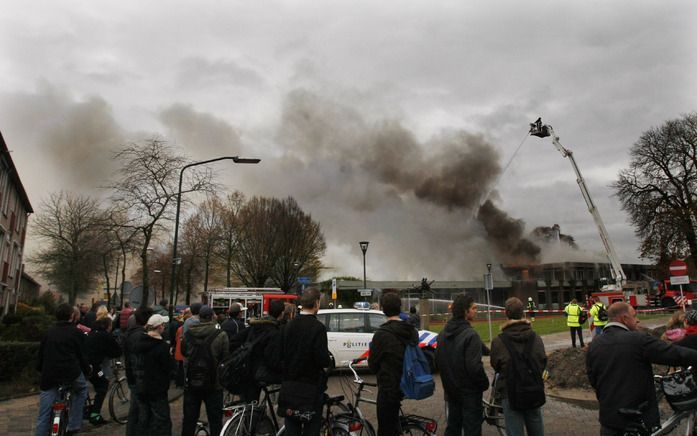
(610, 293)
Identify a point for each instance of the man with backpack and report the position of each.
(204, 345)
(135, 366)
(599, 314)
(386, 360)
(518, 356)
(245, 368)
(459, 358)
(574, 320)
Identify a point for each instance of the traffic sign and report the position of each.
(365, 292)
(304, 280)
(679, 280)
(488, 282)
(334, 289)
(678, 268)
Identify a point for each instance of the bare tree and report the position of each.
(210, 232)
(146, 191)
(277, 241)
(298, 246)
(71, 227)
(659, 189)
(191, 266)
(227, 243)
(127, 239)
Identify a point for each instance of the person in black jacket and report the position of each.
(62, 362)
(153, 384)
(261, 332)
(100, 345)
(459, 358)
(619, 368)
(134, 364)
(386, 360)
(305, 356)
(234, 325)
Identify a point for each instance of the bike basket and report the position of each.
(680, 389)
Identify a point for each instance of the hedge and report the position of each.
(18, 361)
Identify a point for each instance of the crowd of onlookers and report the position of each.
(288, 346)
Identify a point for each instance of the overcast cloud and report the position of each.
(385, 120)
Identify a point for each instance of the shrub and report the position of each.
(30, 328)
(11, 318)
(18, 360)
(24, 309)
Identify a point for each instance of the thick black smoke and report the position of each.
(454, 170)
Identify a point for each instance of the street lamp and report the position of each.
(364, 248)
(175, 260)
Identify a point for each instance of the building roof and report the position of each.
(14, 176)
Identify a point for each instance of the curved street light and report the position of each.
(176, 260)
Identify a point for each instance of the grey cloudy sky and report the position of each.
(358, 109)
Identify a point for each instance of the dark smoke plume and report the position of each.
(507, 235)
(453, 170)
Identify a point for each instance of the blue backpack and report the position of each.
(417, 382)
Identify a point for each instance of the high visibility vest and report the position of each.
(594, 312)
(573, 311)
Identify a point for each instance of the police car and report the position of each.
(349, 332)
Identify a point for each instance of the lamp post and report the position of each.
(176, 260)
(364, 248)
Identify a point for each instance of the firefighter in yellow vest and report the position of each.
(599, 313)
(573, 321)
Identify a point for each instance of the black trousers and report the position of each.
(388, 416)
(192, 409)
(101, 385)
(576, 331)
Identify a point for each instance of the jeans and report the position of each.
(465, 415)
(153, 416)
(519, 420)
(192, 409)
(576, 331)
(77, 402)
(388, 416)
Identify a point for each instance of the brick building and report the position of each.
(14, 214)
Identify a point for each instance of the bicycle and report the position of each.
(493, 410)
(680, 391)
(411, 425)
(119, 395)
(60, 411)
(255, 418)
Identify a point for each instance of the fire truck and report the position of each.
(670, 295)
(613, 292)
(254, 301)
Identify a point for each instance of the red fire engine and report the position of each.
(255, 300)
(670, 295)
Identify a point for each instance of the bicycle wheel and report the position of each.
(414, 430)
(238, 425)
(265, 427)
(339, 431)
(120, 401)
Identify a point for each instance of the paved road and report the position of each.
(17, 417)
